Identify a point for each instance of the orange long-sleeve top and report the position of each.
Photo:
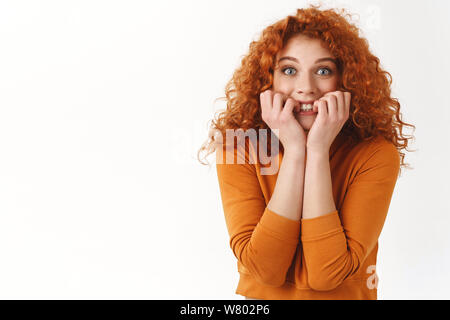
(328, 257)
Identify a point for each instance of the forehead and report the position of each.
(304, 48)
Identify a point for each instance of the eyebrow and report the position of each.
(317, 61)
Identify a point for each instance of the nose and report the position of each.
(305, 84)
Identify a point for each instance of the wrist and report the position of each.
(297, 153)
(318, 153)
(317, 150)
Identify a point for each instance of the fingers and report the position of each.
(347, 98)
(289, 107)
(338, 105)
(265, 100)
(332, 107)
(278, 102)
(274, 103)
(339, 95)
(321, 106)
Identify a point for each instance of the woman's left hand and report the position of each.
(333, 111)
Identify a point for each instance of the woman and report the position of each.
(311, 229)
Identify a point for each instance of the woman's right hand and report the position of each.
(277, 112)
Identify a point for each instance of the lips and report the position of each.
(307, 113)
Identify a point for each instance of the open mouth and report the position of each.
(305, 109)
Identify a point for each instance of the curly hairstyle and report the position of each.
(373, 111)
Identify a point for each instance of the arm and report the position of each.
(318, 197)
(332, 255)
(263, 238)
(287, 197)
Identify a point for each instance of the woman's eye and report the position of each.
(288, 68)
(327, 71)
(289, 71)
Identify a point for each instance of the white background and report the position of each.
(103, 106)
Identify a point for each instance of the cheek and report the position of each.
(330, 85)
(275, 81)
(282, 83)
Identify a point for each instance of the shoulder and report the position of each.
(379, 147)
(378, 154)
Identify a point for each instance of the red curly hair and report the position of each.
(373, 111)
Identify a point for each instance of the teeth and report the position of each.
(304, 107)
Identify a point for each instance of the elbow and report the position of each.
(271, 280)
(321, 283)
(333, 275)
(265, 272)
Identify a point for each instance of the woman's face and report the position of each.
(305, 70)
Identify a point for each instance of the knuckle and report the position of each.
(290, 101)
(277, 95)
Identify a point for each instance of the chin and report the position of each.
(306, 123)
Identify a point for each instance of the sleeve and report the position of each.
(334, 250)
(262, 240)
